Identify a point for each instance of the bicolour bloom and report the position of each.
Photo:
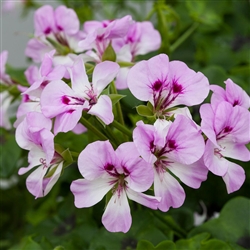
(5, 103)
(122, 172)
(233, 94)
(138, 41)
(175, 149)
(61, 25)
(66, 104)
(33, 134)
(100, 34)
(227, 129)
(167, 84)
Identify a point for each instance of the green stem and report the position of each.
(122, 128)
(177, 230)
(90, 127)
(119, 110)
(150, 14)
(183, 37)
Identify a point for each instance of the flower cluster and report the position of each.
(76, 83)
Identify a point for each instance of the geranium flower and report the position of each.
(33, 134)
(227, 129)
(175, 149)
(167, 84)
(122, 172)
(66, 104)
(233, 94)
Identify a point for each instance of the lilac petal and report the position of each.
(219, 95)
(47, 63)
(57, 73)
(146, 44)
(47, 143)
(32, 74)
(79, 78)
(88, 193)
(88, 42)
(192, 175)
(79, 129)
(67, 121)
(168, 188)
(161, 131)
(215, 162)
(121, 78)
(53, 179)
(51, 98)
(143, 75)
(235, 151)
(188, 144)
(103, 109)
(207, 122)
(140, 173)
(90, 26)
(91, 166)
(34, 158)
(146, 200)
(103, 74)
(234, 177)
(36, 49)
(236, 95)
(235, 119)
(37, 121)
(117, 217)
(143, 137)
(66, 20)
(44, 20)
(118, 28)
(195, 86)
(34, 182)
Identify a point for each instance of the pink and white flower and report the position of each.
(60, 25)
(227, 129)
(33, 134)
(100, 34)
(174, 149)
(233, 94)
(167, 84)
(121, 172)
(66, 104)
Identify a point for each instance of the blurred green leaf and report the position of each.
(10, 154)
(232, 224)
(215, 244)
(193, 243)
(30, 244)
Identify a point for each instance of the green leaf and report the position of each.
(17, 75)
(200, 12)
(232, 224)
(144, 111)
(59, 248)
(10, 153)
(215, 244)
(145, 245)
(115, 98)
(109, 54)
(193, 243)
(30, 244)
(167, 244)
